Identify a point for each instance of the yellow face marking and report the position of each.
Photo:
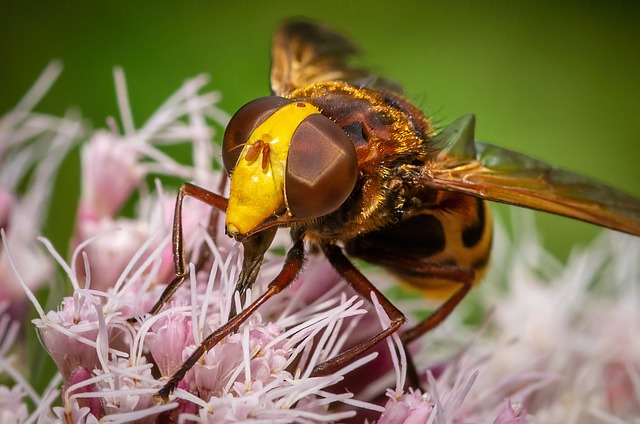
(257, 181)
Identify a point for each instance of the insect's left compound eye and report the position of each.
(243, 123)
(322, 168)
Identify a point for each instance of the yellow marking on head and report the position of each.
(257, 181)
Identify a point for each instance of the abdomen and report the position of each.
(455, 234)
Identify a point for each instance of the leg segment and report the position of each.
(363, 287)
(212, 228)
(465, 278)
(179, 261)
(462, 276)
(292, 266)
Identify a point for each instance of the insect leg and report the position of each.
(179, 261)
(464, 277)
(291, 268)
(363, 287)
(212, 228)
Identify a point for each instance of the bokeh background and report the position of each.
(560, 82)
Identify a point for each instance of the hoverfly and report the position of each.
(355, 170)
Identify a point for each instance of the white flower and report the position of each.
(32, 147)
(13, 400)
(13, 409)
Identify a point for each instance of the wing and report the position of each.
(304, 53)
(486, 171)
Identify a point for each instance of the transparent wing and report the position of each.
(490, 172)
(304, 53)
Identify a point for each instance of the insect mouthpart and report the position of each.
(233, 232)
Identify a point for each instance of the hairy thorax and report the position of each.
(391, 137)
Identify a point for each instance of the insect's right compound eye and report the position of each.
(243, 124)
(322, 168)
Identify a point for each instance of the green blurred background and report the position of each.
(557, 81)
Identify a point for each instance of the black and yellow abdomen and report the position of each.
(455, 234)
(463, 235)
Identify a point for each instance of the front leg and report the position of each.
(179, 261)
(292, 266)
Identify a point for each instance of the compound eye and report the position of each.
(243, 124)
(322, 168)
